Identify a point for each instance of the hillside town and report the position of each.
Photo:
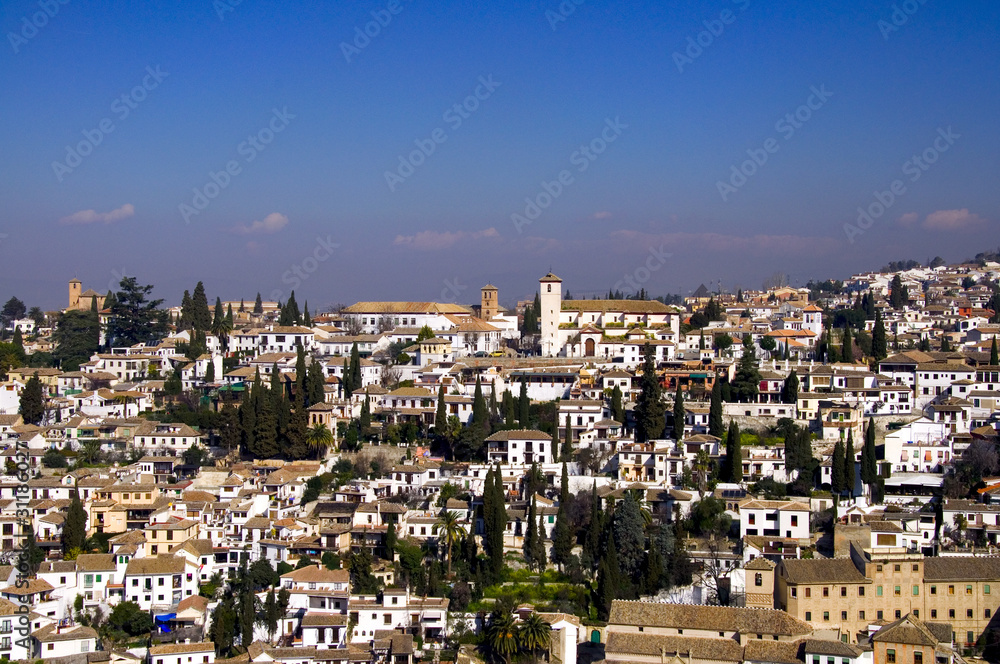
(789, 475)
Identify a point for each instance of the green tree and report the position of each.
(480, 414)
(649, 411)
(31, 555)
(679, 414)
(14, 309)
(994, 359)
(201, 315)
(258, 305)
(533, 635)
(441, 416)
(617, 409)
(450, 531)
(746, 384)
(733, 464)
(630, 537)
(869, 464)
(501, 636)
(715, 425)
(838, 480)
(320, 438)
(32, 401)
(271, 615)
(128, 619)
(133, 317)
(531, 538)
(896, 300)
(74, 532)
(790, 388)
(524, 406)
(76, 337)
(880, 349)
(425, 333)
(849, 469)
(494, 519)
(356, 382)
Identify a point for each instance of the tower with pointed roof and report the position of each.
(550, 296)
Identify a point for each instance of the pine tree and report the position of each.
(523, 406)
(679, 414)
(649, 411)
(715, 425)
(849, 469)
(32, 401)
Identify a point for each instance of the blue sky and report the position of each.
(334, 125)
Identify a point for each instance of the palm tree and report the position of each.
(502, 636)
(533, 635)
(319, 438)
(90, 450)
(222, 328)
(450, 531)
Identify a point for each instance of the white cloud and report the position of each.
(272, 223)
(908, 219)
(431, 240)
(952, 220)
(603, 214)
(94, 217)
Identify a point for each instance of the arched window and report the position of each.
(758, 579)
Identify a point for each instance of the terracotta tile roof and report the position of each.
(178, 648)
(721, 618)
(624, 645)
(520, 434)
(838, 570)
(961, 568)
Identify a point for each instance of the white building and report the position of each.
(520, 447)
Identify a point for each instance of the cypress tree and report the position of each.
(869, 465)
(838, 480)
(306, 318)
(715, 425)
(566, 453)
(441, 416)
(508, 409)
(679, 414)
(480, 414)
(523, 406)
(346, 383)
(266, 428)
(202, 317)
(258, 305)
(847, 349)
(733, 469)
(849, 468)
(316, 383)
(366, 417)
(356, 382)
(243, 306)
(493, 401)
(879, 345)
(74, 533)
(790, 389)
(530, 535)
(994, 359)
(649, 412)
(617, 409)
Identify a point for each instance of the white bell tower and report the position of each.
(550, 296)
